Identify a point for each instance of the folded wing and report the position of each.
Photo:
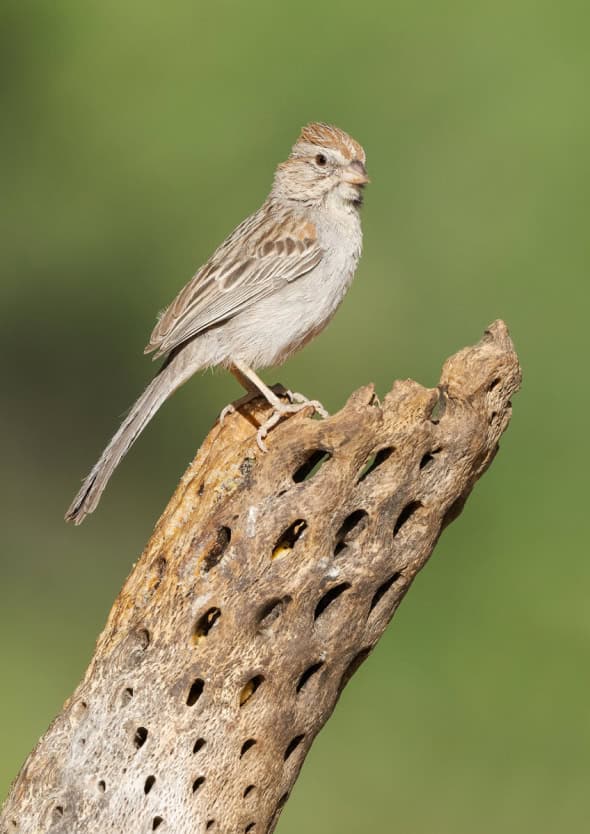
(265, 252)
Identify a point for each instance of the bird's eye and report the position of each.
(321, 160)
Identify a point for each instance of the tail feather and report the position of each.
(139, 416)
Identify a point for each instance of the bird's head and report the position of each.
(324, 161)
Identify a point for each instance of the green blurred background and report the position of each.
(135, 135)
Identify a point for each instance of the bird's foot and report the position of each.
(296, 402)
(282, 410)
(295, 397)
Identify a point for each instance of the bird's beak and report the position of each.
(355, 173)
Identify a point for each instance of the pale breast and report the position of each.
(277, 326)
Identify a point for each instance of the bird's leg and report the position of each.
(255, 386)
(251, 388)
(252, 383)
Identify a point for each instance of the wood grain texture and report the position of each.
(263, 587)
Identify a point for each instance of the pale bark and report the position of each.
(262, 589)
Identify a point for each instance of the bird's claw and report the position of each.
(229, 409)
(295, 397)
(297, 403)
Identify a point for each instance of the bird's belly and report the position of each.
(276, 326)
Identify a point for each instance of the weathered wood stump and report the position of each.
(268, 580)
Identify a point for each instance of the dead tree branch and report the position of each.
(268, 580)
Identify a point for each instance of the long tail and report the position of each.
(170, 377)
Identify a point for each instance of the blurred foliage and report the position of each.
(135, 135)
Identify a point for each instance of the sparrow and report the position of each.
(266, 291)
